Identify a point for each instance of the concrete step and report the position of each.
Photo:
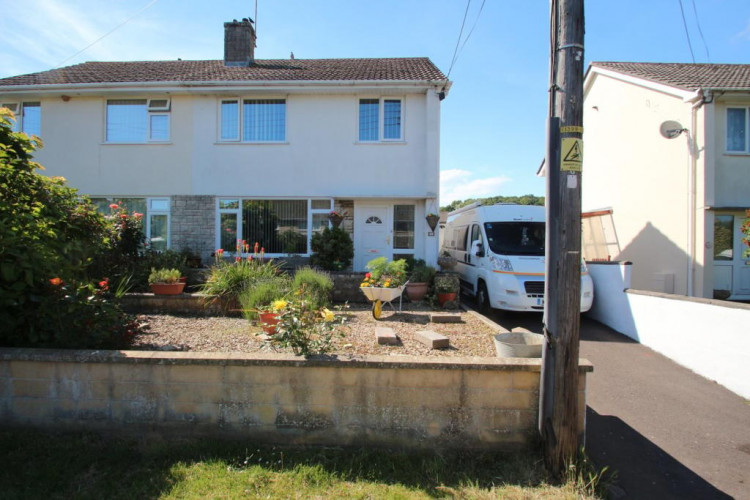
(385, 336)
(432, 339)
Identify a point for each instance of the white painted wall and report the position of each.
(709, 337)
(321, 156)
(643, 177)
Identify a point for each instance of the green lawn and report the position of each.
(85, 465)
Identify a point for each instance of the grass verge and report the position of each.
(39, 464)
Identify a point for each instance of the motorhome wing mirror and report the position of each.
(477, 248)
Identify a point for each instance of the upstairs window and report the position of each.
(28, 117)
(138, 120)
(738, 140)
(380, 120)
(255, 120)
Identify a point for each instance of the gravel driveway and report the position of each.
(470, 337)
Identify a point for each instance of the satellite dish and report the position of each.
(671, 129)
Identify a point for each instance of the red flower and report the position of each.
(255, 248)
(56, 281)
(104, 284)
(367, 275)
(114, 206)
(237, 259)
(137, 215)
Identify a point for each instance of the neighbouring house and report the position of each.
(244, 148)
(666, 177)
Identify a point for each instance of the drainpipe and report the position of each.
(697, 102)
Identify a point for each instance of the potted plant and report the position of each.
(432, 220)
(446, 288)
(419, 280)
(446, 261)
(165, 281)
(269, 318)
(336, 218)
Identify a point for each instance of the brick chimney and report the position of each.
(239, 43)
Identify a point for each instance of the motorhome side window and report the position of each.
(476, 234)
(515, 238)
(459, 237)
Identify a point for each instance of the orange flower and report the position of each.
(56, 281)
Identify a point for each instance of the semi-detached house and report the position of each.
(261, 150)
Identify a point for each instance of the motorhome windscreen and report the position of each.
(515, 238)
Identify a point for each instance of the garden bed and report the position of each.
(470, 337)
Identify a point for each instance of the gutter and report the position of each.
(222, 86)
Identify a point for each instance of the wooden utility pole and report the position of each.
(558, 400)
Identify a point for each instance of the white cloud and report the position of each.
(744, 34)
(458, 184)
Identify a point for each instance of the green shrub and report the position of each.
(306, 329)
(49, 240)
(228, 280)
(332, 249)
(315, 286)
(262, 294)
(421, 272)
(81, 316)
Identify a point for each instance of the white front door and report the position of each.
(731, 269)
(373, 231)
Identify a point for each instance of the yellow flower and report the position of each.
(327, 315)
(278, 305)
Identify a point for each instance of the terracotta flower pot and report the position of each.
(167, 288)
(445, 297)
(416, 291)
(268, 321)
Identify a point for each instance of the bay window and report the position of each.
(255, 120)
(738, 138)
(279, 226)
(380, 120)
(137, 120)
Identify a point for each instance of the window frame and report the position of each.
(381, 139)
(18, 109)
(239, 222)
(746, 151)
(149, 212)
(238, 137)
(151, 111)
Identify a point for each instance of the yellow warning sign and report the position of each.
(572, 155)
(571, 129)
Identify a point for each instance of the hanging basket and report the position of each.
(432, 221)
(336, 219)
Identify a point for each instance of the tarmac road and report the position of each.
(668, 432)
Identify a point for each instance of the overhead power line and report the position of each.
(458, 42)
(698, 22)
(147, 6)
(687, 33)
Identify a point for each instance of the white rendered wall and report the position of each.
(643, 177)
(709, 337)
(320, 157)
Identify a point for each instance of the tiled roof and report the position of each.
(686, 76)
(393, 69)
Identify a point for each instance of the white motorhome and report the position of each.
(500, 254)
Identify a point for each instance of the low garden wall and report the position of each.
(708, 336)
(408, 402)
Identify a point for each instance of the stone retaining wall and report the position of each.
(409, 402)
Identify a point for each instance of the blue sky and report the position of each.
(493, 120)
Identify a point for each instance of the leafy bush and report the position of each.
(421, 272)
(262, 294)
(228, 280)
(49, 239)
(306, 329)
(80, 316)
(313, 285)
(332, 249)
